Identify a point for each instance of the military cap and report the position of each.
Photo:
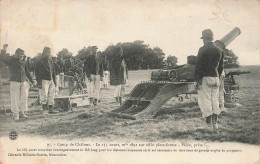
(94, 47)
(19, 50)
(207, 34)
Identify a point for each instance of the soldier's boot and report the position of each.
(16, 117)
(215, 122)
(51, 110)
(91, 100)
(214, 119)
(44, 109)
(23, 115)
(209, 119)
(117, 99)
(95, 102)
(222, 108)
(120, 100)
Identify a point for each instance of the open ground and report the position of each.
(174, 121)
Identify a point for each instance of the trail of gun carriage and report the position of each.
(159, 105)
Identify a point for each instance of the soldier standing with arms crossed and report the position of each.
(208, 69)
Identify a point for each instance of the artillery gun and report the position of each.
(147, 97)
(231, 86)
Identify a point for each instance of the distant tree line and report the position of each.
(230, 59)
(139, 55)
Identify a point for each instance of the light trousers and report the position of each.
(105, 79)
(119, 90)
(57, 84)
(19, 96)
(47, 92)
(62, 85)
(208, 96)
(93, 86)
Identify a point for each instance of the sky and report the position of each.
(173, 25)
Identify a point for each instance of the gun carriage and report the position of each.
(147, 97)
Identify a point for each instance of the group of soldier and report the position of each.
(49, 73)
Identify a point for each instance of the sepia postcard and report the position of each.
(129, 81)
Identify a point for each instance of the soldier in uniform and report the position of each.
(57, 74)
(46, 79)
(20, 76)
(118, 75)
(222, 93)
(61, 64)
(3, 56)
(30, 65)
(105, 73)
(94, 74)
(208, 69)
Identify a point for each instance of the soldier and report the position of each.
(24, 57)
(34, 65)
(222, 93)
(62, 70)
(46, 79)
(69, 64)
(30, 65)
(3, 56)
(20, 76)
(118, 75)
(57, 74)
(3, 51)
(209, 67)
(94, 74)
(105, 73)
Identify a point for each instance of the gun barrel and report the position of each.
(227, 39)
(237, 73)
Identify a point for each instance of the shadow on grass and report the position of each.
(178, 113)
(87, 126)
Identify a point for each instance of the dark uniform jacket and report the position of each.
(61, 65)
(210, 62)
(93, 66)
(29, 65)
(45, 71)
(117, 69)
(2, 57)
(68, 64)
(18, 70)
(105, 65)
(57, 68)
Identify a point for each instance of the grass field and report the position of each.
(174, 121)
